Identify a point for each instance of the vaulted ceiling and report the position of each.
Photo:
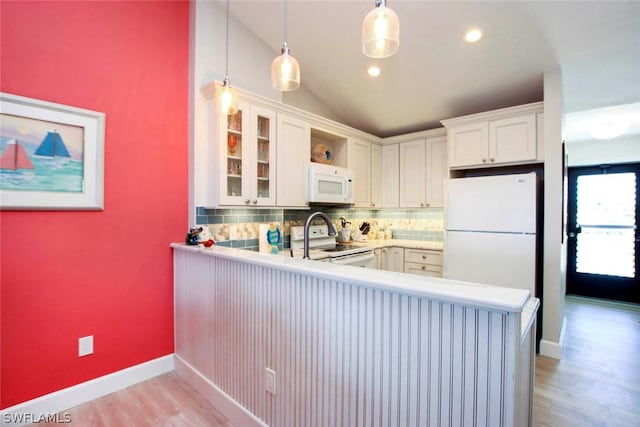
(437, 75)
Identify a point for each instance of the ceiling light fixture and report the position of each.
(285, 71)
(373, 71)
(380, 32)
(473, 35)
(607, 130)
(228, 101)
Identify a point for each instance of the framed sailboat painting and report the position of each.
(51, 155)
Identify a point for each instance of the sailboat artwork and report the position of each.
(53, 150)
(15, 163)
(51, 155)
(38, 155)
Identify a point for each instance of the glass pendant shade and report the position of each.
(380, 32)
(285, 71)
(227, 99)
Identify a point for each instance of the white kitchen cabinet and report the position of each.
(360, 163)
(393, 259)
(246, 153)
(422, 172)
(494, 138)
(468, 144)
(376, 176)
(294, 146)
(377, 259)
(512, 139)
(390, 173)
(423, 262)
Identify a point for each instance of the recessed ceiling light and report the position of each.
(373, 71)
(473, 35)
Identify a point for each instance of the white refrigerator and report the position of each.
(490, 235)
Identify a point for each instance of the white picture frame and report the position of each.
(34, 186)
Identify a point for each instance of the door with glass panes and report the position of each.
(602, 230)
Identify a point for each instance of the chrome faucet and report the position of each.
(332, 230)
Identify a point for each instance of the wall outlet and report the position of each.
(85, 346)
(270, 381)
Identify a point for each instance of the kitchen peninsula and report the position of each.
(278, 341)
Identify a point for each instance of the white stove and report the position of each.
(354, 254)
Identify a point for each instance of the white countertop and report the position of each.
(407, 244)
(490, 297)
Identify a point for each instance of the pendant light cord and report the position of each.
(226, 71)
(285, 22)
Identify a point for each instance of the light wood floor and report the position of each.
(597, 382)
(166, 400)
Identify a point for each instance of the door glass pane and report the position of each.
(234, 154)
(606, 212)
(263, 156)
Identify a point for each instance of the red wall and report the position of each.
(107, 273)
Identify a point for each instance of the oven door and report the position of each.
(366, 260)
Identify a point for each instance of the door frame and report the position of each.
(597, 285)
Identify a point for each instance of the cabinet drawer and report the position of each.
(423, 256)
(423, 269)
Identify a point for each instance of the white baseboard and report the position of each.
(61, 400)
(551, 348)
(237, 414)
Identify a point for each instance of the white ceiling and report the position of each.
(437, 75)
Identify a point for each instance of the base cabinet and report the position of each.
(393, 259)
(423, 262)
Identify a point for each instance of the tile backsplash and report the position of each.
(240, 227)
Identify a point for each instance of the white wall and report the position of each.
(249, 69)
(307, 101)
(554, 262)
(620, 150)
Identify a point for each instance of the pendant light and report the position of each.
(285, 71)
(228, 101)
(380, 32)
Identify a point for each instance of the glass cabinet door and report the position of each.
(263, 141)
(234, 155)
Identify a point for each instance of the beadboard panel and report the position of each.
(344, 355)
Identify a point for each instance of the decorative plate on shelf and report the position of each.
(320, 153)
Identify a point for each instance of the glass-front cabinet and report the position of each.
(247, 153)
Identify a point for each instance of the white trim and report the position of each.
(237, 414)
(554, 349)
(67, 398)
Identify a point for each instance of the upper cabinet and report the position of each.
(390, 173)
(245, 158)
(294, 142)
(376, 176)
(495, 138)
(423, 168)
(360, 163)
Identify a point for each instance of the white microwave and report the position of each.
(330, 184)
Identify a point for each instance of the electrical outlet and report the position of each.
(270, 381)
(85, 346)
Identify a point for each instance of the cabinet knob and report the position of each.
(255, 201)
(492, 159)
(484, 160)
(427, 204)
(246, 201)
(424, 257)
(373, 204)
(421, 205)
(424, 267)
